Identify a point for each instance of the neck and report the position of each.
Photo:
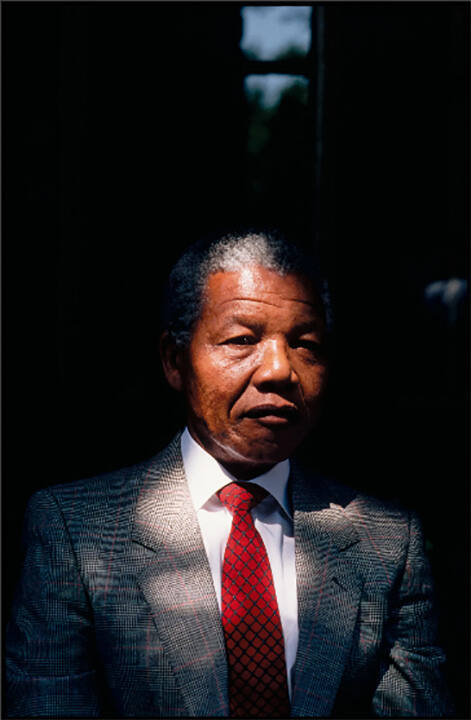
(243, 472)
(233, 462)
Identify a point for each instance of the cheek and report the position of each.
(314, 383)
(213, 383)
(220, 373)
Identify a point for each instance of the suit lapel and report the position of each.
(178, 586)
(328, 595)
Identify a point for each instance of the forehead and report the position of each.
(256, 289)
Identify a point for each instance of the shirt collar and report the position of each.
(205, 475)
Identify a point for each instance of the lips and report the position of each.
(274, 414)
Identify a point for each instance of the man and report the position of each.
(220, 578)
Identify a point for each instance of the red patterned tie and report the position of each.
(252, 627)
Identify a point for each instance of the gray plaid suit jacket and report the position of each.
(116, 614)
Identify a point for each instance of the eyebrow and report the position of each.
(308, 326)
(254, 324)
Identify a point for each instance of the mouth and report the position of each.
(274, 414)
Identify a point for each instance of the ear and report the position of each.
(171, 357)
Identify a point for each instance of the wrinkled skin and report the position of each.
(254, 373)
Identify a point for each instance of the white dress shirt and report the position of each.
(272, 518)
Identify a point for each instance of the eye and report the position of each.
(241, 340)
(310, 345)
(311, 349)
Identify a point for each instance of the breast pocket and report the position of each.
(368, 633)
(363, 667)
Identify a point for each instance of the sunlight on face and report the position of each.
(255, 372)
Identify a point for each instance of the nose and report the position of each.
(275, 365)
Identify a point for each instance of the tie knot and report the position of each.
(240, 499)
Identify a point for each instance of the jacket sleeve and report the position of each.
(411, 681)
(50, 668)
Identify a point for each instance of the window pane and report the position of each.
(279, 151)
(267, 90)
(271, 33)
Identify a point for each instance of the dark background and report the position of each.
(125, 136)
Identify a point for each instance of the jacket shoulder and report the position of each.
(100, 498)
(314, 488)
(371, 513)
(377, 522)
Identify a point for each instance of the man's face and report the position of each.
(254, 372)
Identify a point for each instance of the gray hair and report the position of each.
(184, 294)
